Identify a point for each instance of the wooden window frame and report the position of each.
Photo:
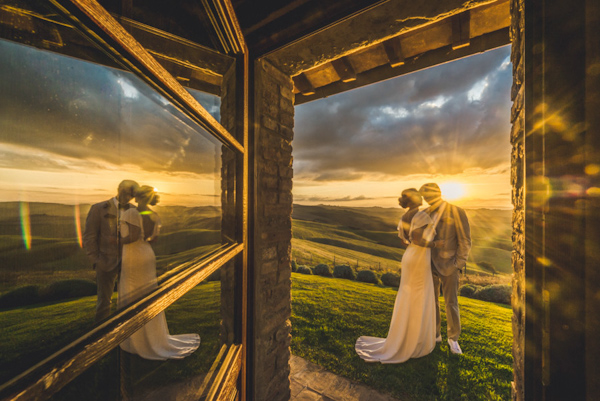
(48, 376)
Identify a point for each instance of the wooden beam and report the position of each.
(461, 30)
(344, 69)
(393, 49)
(225, 24)
(428, 59)
(302, 83)
(224, 387)
(175, 49)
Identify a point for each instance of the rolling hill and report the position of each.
(55, 251)
(367, 237)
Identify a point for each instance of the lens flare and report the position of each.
(78, 226)
(25, 224)
(452, 190)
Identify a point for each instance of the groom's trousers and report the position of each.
(105, 282)
(450, 291)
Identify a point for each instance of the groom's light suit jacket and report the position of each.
(100, 235)
(451, 224)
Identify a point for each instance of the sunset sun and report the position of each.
(452, 190)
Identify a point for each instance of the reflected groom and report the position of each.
(102, 245)
(452, 226)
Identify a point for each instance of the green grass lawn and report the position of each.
(328, 315)
(28, 334)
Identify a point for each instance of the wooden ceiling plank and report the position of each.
(438, 56)
(490, 18)
(303, 84)
(461, 30)
(344, 69)
(393, 49)
(278, 13)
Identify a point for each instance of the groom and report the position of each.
(451, 225)
(102, 244)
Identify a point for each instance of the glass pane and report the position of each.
(36, 24)
(71, 132)
(182, 376)
(126, 375)
(100, 382)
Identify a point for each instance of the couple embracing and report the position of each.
(439, 241)
(118, 239)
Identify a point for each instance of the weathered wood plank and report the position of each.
(226, 382)
(393, 49)
(461, 29)
(344, 69)
(302, 83)
(209, 379)
(181, 51)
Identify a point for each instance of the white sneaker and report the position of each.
(438, 339)
(454, 347)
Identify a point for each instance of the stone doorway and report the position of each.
(533, 345)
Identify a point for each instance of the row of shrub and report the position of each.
(57, 291)
(33, 294)
(498, 293)
(347, 272)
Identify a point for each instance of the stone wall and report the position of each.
(517, 139)
(273, 124)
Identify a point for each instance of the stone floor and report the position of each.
(311, 382)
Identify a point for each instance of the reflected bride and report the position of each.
(138, 278)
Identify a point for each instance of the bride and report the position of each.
(412, 329)
(138, 278)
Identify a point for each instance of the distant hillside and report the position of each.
(367, 236)
(358, 218)
(55, 252)
(55, 220)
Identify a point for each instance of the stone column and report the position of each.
(273, 125)
(517, 139)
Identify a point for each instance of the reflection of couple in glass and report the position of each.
(117, 239)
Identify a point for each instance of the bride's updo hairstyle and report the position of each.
(148, 193)
(412, 197)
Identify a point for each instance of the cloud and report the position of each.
(338, 175)
(79, 110)
(443, 120)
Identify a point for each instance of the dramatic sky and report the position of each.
(70, 131)
(449, 123)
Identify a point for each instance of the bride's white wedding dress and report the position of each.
(412, 329)
(138, 278)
